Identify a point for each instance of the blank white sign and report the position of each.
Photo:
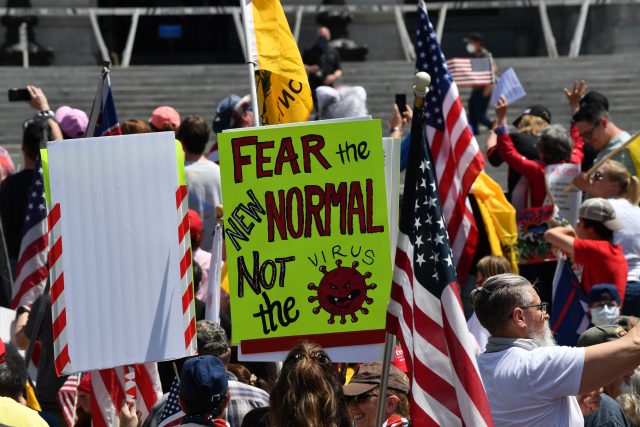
(120, 249)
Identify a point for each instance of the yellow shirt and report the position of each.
(14, 414)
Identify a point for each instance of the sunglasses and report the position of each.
(360, 398)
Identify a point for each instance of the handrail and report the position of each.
(228, 10)
(394, 10)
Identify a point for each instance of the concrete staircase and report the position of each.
(197, 89)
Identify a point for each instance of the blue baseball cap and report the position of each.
(604, 292)
(224, 111)
(203, 381)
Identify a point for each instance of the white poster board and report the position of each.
(558, 177)
(121, 256)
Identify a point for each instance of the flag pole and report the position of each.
(384, 380)
(97, 102)
(421, 83)
(247, 20)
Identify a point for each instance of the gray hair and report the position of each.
(346, 101)
(555, 144)
(499, 295)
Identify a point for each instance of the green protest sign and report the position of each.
(306, 229)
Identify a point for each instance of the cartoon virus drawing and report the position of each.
(341, 292)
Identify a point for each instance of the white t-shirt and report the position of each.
(203, 187)
(478, 331)
(533, 388)
(629, 236)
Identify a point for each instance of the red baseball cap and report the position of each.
(399, 361)
(3, 351)
(195, 226)
(165, 117)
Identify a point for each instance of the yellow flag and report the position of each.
(32, 400)
(499, 218)
(284, 94)
(634, 152)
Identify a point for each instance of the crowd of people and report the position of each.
(529, 379)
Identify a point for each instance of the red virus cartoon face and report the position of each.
(341, 292)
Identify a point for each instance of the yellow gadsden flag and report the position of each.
(284, 95)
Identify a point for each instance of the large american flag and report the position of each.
(456, 154)
(471, 71)
(32, 269)
(425, 310)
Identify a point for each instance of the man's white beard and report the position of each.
(544, 337)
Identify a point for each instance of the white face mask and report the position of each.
(471, 48)
(604, 315)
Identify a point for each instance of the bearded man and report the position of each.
(529, 380)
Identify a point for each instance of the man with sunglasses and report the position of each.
(363, 393)
(530, 381)
(597, 130)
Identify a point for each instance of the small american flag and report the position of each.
(104, 119)
(425, 310)
(471, 71)
(67, 398)
(32, 269)
(172, 413)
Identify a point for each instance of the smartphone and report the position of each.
(401, 102)
(19, 95)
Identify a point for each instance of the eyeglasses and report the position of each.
(360, 398)
(589, 133)
(542, 307)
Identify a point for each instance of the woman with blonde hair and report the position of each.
(614, 182)
(308, 392)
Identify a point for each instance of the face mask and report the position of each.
(471, 48)
(604, 315)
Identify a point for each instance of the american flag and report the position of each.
(105, 122)
(456, 154)
(471, 71)
(172, 413)
(108, 393)
(32, 269)
(425, 310)
(67, 398)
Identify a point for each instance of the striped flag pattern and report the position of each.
(425, 310)
(108, 392)
(31, 270)
(455, 151)
(471, 71)
(67, 398)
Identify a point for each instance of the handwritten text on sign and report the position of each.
(306, 228)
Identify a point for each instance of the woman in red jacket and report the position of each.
(555, 146)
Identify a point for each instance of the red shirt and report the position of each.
(602, 262)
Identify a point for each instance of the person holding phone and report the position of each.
(14, 189)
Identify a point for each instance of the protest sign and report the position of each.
(121, 277)
(532, 223)
(559, 177)
(508, 86)
(307, 236)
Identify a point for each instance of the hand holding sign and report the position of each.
(508, 86)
